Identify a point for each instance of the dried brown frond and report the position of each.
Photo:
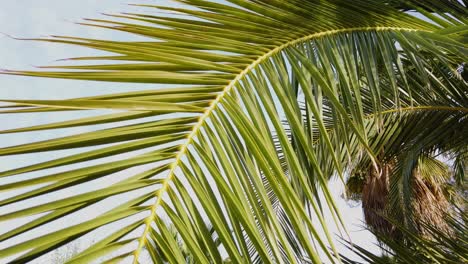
(375, 200)
(428, 206)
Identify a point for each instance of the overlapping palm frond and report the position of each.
(411, 130)
(210, 144)
(441, 248)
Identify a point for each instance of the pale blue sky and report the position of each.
(33, 18)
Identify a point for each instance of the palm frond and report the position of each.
(441, 247)
(211, 143)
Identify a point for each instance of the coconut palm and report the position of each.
(263, 101)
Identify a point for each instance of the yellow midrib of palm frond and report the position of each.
(220, 97)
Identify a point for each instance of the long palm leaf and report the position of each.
(214, 138)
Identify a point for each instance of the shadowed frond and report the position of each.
(441, 247)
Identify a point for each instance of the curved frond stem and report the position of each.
(213, 106)
(409, 109)
(422, 108)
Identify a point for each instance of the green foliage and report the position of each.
(441, 247)
(263, 102)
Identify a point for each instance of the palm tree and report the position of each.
(440, 248)
(265, 101)
(433, 183)
(431, 192)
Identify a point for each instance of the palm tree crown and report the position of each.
(265, 101)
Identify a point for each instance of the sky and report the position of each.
(33, 18)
